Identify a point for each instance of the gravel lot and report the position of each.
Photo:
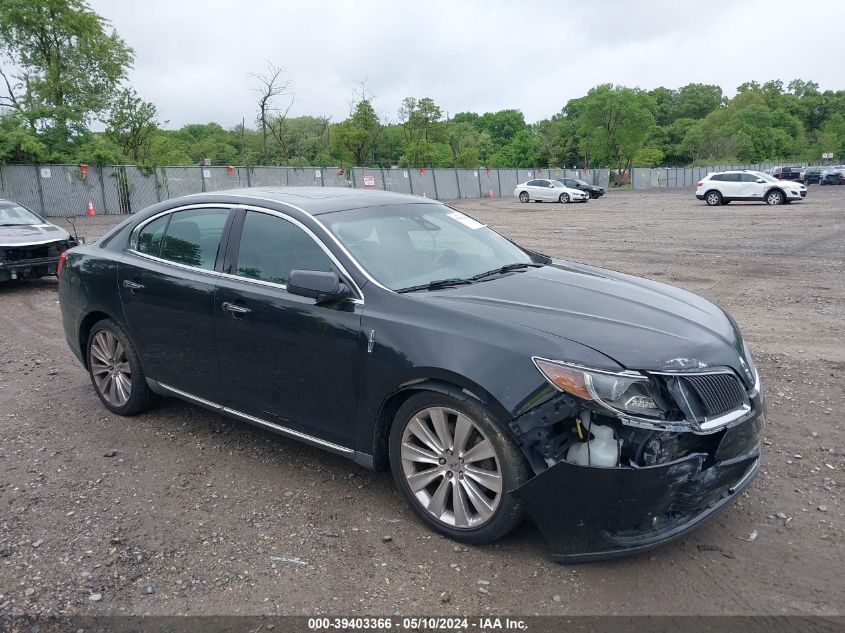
(180, 511)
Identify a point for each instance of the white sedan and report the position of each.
(548, 190)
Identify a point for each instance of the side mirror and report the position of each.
(759, 180)
(318, 285)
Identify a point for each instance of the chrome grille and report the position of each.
(719, 393)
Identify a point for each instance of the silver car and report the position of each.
(548, 191)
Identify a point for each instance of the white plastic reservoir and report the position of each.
(602, 451)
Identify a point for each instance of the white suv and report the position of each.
(726, 186)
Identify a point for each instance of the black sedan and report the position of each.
(493, 381)
(29, 245)
(576, 183)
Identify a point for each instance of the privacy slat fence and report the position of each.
(67, 190)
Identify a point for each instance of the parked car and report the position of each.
(492, 380)
(594, 191)
(830, 177)
(812, 174)
(725, 187)
(30, 246)
(541, 190)
(788, 173)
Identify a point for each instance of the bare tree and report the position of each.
(271, 86)
(276, 126)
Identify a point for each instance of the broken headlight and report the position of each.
(623, 392)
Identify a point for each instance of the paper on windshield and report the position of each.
(465, 220)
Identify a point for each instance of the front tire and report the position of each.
(523, 196)
(115, 370)
(564, 198)
(455, 466)
(775, 197)
(713, 198)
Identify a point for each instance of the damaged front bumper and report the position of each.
(31, 260)
(611, 512)
(591, 513)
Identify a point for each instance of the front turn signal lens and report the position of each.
(565, 378)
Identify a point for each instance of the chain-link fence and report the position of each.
(67, 190)
(670, 177)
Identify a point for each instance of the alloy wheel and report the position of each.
(713, 198)
(523, 197)
(774, 197)
(451, 468)
(564, 197)
(110, 368)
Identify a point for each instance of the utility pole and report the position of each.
(243, 131)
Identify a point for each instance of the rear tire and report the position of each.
(523, 196)
(713, 198)
(115, 370)
(425, 451)
(564, 198)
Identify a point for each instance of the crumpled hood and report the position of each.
(639, 323)
(22, 235)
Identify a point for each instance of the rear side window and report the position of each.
(271, 247)
(149, 239)
(193, 237)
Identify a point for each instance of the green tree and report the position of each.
(18, 143)
(354, 139)
(425, 133)
(521, 151)
(67, 66)
(131, 125)
(614, 122)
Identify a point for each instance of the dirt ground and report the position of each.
(180, 511)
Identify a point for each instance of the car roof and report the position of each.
(312, 200)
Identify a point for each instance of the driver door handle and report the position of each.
(235, 309)
(132, 286)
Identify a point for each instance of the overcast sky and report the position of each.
(193, 58)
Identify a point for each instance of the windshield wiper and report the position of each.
(437, 284)
(506, 269)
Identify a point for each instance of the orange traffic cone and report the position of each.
(91, 208)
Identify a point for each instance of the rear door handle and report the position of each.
(235, 309)
(132, 286)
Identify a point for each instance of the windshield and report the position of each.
(766, 177)
(403, 246)
(16, 215)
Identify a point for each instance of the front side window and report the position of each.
(412, 244)
(749, 177)
(271, 247)
(192, 237)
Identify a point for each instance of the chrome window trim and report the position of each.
(133, 237)
(331, 236)
(282, 430)
(159, 260)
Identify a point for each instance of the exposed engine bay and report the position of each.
(562, 429)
